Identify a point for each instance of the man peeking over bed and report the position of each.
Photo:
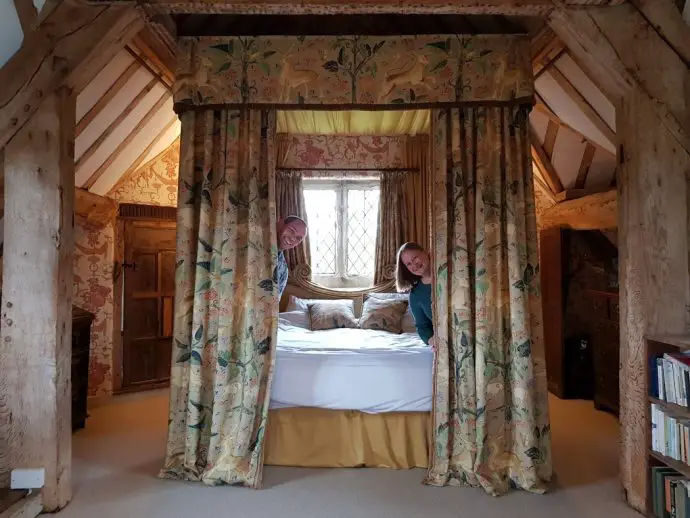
(291, 231)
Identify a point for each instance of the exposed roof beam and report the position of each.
(582, 104)
(140, 159)
(546, 48)
(152, 70)
(594, 212)
(94, 209)
(107, 97)
(492, 7)
(550, 140)
(67, 48)
(28, 15)
(545, 188)
(662, 15)
(148, 53)
(113, 125)
(544, 164)
(585, 164)
(132, 135)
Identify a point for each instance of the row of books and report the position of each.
(670, 378)
(670, 493)
(670, 434)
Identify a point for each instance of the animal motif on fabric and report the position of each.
(412, 73)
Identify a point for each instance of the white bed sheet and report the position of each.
(352, 369)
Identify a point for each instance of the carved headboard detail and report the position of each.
(300, 285)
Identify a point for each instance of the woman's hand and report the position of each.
(432, 343)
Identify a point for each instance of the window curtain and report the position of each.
(290, 202)
(225, 298)
(390, 233)
(491, 420)
(418, 191)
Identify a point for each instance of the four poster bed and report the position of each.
(347, 397)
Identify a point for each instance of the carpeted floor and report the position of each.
(117, 457)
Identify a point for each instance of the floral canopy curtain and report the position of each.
(391, 231)
(226, 301)
(491, 422)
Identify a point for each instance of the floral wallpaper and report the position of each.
(352, 70)
(93, 292)
(155, 183)
(347, 152)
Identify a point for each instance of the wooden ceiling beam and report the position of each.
(145, 63)
(550, 140)
(94, 209)
(582, 104)
(593, 212)
(28, 15)
(113, 125)
(585, 165)
(107, 97)
(542, 185)
(546, 48)
(544, 164)
(152, 56)
(130, 137)
(67, 48)
(467, 7)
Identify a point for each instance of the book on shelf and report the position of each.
(670, 434)
(670, 493)
(670, 378)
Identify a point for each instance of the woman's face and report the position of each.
(416, 261)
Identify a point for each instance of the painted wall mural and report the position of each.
(347, 70)
(155, 183)
(346, 152)
(93, 291)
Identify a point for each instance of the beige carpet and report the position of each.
(117, 457)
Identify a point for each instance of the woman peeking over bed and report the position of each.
(413, 274)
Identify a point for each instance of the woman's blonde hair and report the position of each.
(404, 279)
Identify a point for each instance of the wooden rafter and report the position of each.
(97, 108)
(550, 140)
(546, 49)
(582, 104)
(140, 159)
(148, 53)
(94, 209)
(593, 212)
(123, 145)
(162, 79)
(28, 15)
(113, 125)
(542, 185)
(544, 164)
(67, 48)
(585, 164)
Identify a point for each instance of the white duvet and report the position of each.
(351, 369)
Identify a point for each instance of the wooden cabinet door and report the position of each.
(149, 287)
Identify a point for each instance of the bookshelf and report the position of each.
(658, 345)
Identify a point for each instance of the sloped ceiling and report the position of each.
(124, 119)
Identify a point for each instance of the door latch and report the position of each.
(132, 265)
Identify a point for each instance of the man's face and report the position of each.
(291, 234)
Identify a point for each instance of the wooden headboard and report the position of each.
(300, 285)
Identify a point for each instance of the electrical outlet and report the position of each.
(27, 478)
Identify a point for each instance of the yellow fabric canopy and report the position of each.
(354, 122)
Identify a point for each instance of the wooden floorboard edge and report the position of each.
(28, 507)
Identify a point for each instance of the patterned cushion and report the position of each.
(332, 314)
(407, 324)
(383, 314)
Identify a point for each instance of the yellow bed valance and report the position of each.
(346, 71)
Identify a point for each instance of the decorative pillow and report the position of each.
(383, 314)
(407, 324)
(296, 318)
(332, 314)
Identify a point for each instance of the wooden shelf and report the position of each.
(680, 467)
(671, 408)
(680, 341)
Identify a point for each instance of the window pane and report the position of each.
(362, 222)
(323, 231)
